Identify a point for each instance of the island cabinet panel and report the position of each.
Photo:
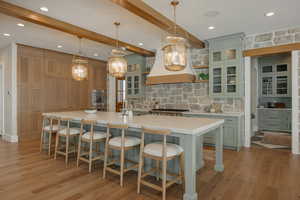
(45, 84)
(233, 135)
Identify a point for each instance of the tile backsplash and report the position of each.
(192, 96)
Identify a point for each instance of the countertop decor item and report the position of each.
(175, 48)
(203, 76)
(117, 65)
(79, 66)
(90, 111)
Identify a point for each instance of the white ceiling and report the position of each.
(95, 15)
(234, 15)
(99, 15)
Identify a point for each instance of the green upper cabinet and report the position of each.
(226, 66)
(135, 80)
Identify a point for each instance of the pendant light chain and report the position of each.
(174, 3)
(117, 34)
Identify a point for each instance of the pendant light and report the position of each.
(117, 65)
(175, 48)
(79, 66)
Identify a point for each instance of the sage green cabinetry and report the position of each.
(274, 119)
(233, 135)
(226, 66)
(134, 77)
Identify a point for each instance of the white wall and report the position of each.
(8, 59)
(1, 99)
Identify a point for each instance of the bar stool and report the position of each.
(91, 137)
(122, 144)
(160, 152)
(67, 133)
(49, 128)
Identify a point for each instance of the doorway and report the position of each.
(270, 87)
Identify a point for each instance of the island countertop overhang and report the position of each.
(183, 125)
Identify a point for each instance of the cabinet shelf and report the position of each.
(200, 66)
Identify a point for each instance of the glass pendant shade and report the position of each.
(175, 53)
(117, 65)
(79, 69)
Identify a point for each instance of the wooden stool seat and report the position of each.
(155, 149)
(128, 141)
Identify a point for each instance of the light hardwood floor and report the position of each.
(252, 174)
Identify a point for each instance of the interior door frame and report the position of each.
(2, 96)
(295, 54)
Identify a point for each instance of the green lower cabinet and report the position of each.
(233, 135)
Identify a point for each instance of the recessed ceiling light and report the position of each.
(141, 44)
(95, 54)
(45, 9)
(211, 27)
(59, 46)
(20, 24)
(6, 34)
(269, 14)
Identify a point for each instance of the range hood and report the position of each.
(159, 75)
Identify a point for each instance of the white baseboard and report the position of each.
(10, 138)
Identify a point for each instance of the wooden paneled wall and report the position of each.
(45, 84)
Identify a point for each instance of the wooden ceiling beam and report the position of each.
(141, 9)
(272, 50)
(37, 18)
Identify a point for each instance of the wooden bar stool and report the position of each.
(50, 128)
(122, 144)
(67, 133)
(92, 137)
(160, 152)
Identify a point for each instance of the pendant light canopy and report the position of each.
(117, 65)
(175, 48)
(79, 66)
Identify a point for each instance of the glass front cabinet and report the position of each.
(134, 77)
(226, 66)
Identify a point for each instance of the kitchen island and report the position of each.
(188, 130)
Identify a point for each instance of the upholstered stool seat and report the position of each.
(54, 128)
(73, 131)
(98, 135)
(155, 149)
(128, 141)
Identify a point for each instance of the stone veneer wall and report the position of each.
(192, 96)
(279, 37)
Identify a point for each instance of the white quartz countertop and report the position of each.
(184, 125)
(230, 114)
(274, 108)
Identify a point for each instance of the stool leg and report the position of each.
(90, 156)
(49, 143)
(42, 141)
(164, 178)
(157, 170)
(79, 151)
(122, 166)
(67, 150)
(105, 159)
(181, 160)
(56, 145)
(141, 164)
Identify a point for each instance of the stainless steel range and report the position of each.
(169, 112)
